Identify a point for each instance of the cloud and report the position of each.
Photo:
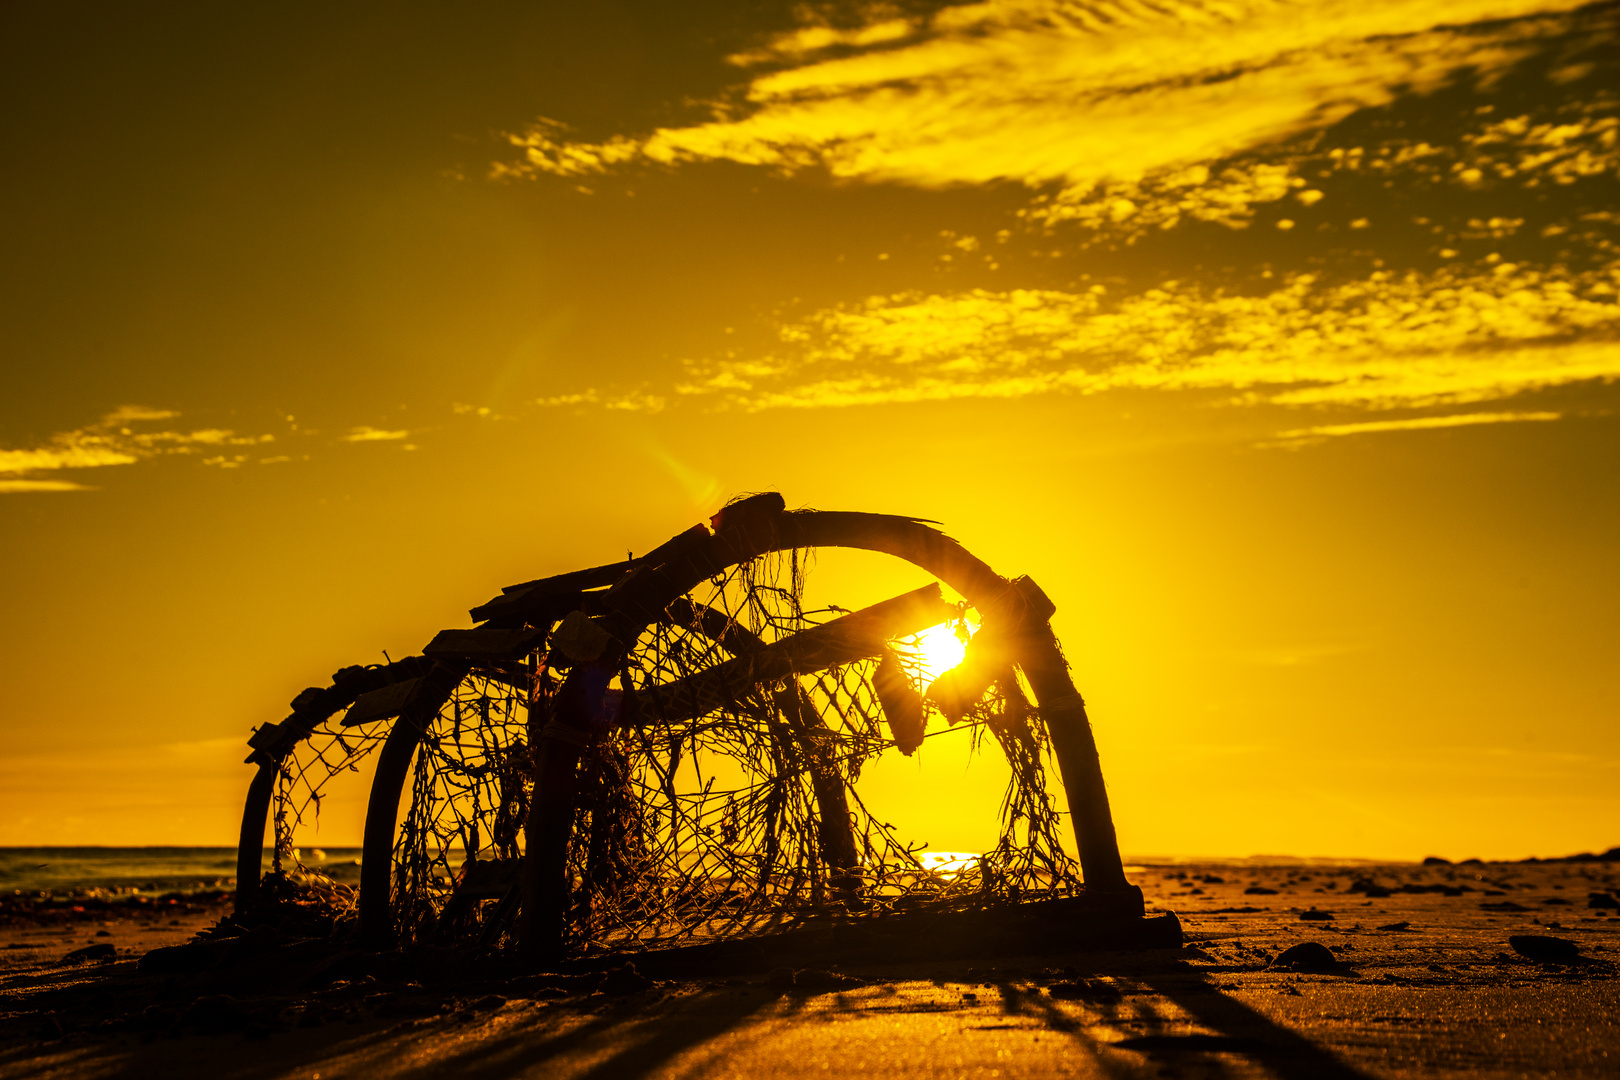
(1065, 94)
(625, 401)
(82, 449)
(112, 440)
(1517, 152)
(12, 487)
(1384, 341)
(1419, 423)
(1128, 122)
(366, 433)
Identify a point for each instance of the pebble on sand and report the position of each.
(1307, 956)
(1543, 948)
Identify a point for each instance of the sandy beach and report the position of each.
(1424, 982)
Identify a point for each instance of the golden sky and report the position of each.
(1277, 340)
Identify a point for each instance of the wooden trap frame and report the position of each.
(580, 807)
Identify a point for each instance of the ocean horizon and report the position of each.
(56, 871)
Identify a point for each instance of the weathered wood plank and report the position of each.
(485, 644)
(381, 704)
(529, 595)
(851, 637)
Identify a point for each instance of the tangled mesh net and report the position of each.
(302, 784)
(696, 829)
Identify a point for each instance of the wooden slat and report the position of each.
(265, 737)
(855, 636)
(381, 704)
(594, 577)
(529, 594)
(484, 644)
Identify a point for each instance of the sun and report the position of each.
(939, 649)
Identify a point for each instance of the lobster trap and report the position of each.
(667, 751)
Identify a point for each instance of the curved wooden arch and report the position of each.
(272, 743)
(745, 530)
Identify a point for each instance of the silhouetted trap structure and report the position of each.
(665, 752)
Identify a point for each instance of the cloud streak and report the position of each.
(1417, 423)
(366, 433)
(118, 438)
(1386, 341)
(1129, 122)
(1049, 92)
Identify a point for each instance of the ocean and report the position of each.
(63, 871)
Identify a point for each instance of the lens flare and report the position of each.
(940, 650)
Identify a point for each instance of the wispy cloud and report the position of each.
(1054, 92)
(1418, 423)
(1130, 122)
(640, 400)
(13, 487)
(366, 433)
(1386, 341)
(1520, 151)
(119, 438)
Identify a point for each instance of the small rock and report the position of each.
(1259, 890)
(1316, 916)
(1601, 900)
(103, 933)
(1307, 956)
(1435, 860)
(1369, 888)
(102, 951)
(1541, 947)
(1397, 926)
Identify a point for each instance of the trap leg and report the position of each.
(382, 812)
(250, 845)
(1076, 749)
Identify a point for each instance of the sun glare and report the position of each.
(940, 650)
(947, 864)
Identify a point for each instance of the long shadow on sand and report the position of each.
(635, 1043)
(1234, 1027)
(1152, 998)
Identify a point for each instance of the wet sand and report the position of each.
(1445, 995)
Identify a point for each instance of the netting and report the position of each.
(302, 785)
(745, 819)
